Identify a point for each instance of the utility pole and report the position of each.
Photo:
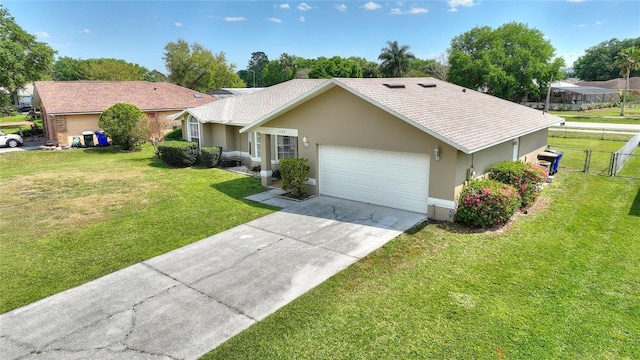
(254, 77)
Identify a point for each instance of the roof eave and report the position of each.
(290, 105)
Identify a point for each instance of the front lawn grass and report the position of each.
(69, 217)
(561, 283)
(630, 111)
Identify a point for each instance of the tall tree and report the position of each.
(283, 69)
(69, 69)
(335, 66)
(598, 62)
(395, 59)
(197, 68)
(512, 62)
(111, 70)
(22, 58)
(255, 68)
(627, 60)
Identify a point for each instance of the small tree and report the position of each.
(125, 125)
(294, 175)
(157, 128)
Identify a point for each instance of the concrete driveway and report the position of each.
(184, 303)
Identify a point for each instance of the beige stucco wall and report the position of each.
(533, 144)
(68, 126)
(337, 117)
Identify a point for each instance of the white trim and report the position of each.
(311, 181)
(447, 204)
(266, 173)
(277, 131)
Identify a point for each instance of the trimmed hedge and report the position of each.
(486, 203)
(526, 178)
(175, 134)
(294, 172)
(178, 153)
(210, 155)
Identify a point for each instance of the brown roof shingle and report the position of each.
(90, 97)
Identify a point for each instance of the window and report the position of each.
(194, 130)
(287, 147)
(254, 145)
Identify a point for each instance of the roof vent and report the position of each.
(429, 85)
(394, 86)
(196, 95)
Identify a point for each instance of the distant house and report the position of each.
(70, 108)
(613, 84)
(406, 143)
(569, 95)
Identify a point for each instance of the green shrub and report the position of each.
(486, 203)
(526, 178)
(294, 174)
(178, 153)
(175, 134)
(125, 125)
(210, 155)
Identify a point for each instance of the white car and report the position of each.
(10, 140)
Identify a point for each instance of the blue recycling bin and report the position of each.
(557, 162)
(553, 157)
(102, 138)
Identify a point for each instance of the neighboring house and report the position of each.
(566, 95)
(613, 84)
(23, 96)
(70, 108)
(407, 143)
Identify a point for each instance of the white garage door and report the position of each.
(394, 179)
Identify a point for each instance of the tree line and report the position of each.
(512, 61)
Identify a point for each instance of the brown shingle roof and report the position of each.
(87, 97)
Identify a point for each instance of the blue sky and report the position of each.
(137, 30)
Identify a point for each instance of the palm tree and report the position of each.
(395, 59)
(628, 60)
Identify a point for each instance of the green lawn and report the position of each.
(72, 216)
(632, 111)
(560, 283)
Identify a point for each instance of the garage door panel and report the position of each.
(393, 179)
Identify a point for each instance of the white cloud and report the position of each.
(411, 11)
(304, 7)
(275, 20)
(580, 25)
(371, 6)
(598, 23)
(177, 24)
(455, 4)
(302, 19)
(85, 31)
(342, 8)
(284, 6)
(43, 34)
(235, 18)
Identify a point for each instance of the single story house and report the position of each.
(70, 108)
(406, 143)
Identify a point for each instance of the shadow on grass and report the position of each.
(240, 188)
(635, 206)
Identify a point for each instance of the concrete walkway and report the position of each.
(184, 303)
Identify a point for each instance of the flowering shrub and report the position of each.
(486, 203)
(526, 178)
